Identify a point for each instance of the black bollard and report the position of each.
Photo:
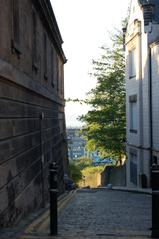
(53, 199)
(155, 201)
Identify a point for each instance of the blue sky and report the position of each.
(85, 27)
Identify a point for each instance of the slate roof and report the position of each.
(155, 3)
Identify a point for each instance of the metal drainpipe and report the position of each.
(141, 105)
(154, 166)
(150, 104)
(42, 158)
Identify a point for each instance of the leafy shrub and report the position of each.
(92, 170)
(75, 172)
(83, 162)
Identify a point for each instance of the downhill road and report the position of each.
(99, 214)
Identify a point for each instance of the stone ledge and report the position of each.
(11, 73)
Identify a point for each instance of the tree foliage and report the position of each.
(83, 162)
(105, 122)
(75, 172)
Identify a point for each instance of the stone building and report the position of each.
(76, 144)
(142, 91)
(32, 119)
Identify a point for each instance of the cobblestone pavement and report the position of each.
(99, 214)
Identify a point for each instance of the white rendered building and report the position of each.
(142, 91)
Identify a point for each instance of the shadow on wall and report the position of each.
(114, 175)
(111, 175)
(91, 180)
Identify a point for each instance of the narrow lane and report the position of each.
(106, 213)
(102, 214)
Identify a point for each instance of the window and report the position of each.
(16, 21)
(57, 72)
(52, 67)
(34, 42)
(133, 166)
(45, 57)
(132, 63)
(155, 161)
(62, 77)
(15, 28)
(133, 113)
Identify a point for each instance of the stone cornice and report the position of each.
(48, 18)
(133, 30)
(154, 43)
(137, 146)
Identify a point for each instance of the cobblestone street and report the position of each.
(102, 214)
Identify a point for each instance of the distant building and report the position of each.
(142, 91)
(76, 144)
(32, 118)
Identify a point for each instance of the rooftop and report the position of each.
(155, 4)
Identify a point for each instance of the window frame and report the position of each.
(15, 41)
(52, 67)
(45, 55)
(132, 63)
(34, 41)
(132, 102)
(133, 166)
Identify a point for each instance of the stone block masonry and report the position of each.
(32, 118)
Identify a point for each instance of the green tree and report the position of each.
(75, 172)
(105, 122)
